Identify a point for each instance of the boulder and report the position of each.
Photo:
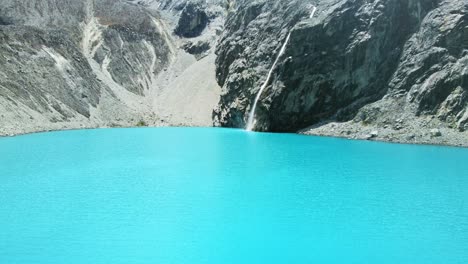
(372, 135)
(435, 132)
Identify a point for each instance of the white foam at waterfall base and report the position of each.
(251, 120)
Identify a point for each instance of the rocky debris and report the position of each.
(193, 20)
(415, 130)
(410, 137)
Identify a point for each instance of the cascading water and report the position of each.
(251, 120)
(250, 123)
(312, 12)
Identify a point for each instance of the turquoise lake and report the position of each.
(206, 195)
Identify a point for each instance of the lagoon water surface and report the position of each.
(186, 195)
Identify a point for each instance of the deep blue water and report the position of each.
(185, 195)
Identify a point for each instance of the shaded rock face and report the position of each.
(433, 69)
(348, 57)
(4, 21)
(192, 21)
(253, 35)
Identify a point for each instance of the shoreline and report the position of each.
(387, 141)
(412, 135)
(318, 132)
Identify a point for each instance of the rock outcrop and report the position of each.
(366, 62)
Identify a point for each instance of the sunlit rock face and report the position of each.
(349, 56)
(93, 62)
(59, 57)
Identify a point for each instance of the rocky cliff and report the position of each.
(391, 69)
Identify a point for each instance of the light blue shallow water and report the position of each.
(181, 195)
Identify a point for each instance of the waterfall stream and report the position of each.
(250, 123)
(251, 120)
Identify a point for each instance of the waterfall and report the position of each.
(250, 123)
(251, 120)
(312, 12)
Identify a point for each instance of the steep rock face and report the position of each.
(433, 70)
(253, 36)
(192, 21)
(341, 60)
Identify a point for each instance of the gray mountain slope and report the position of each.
(86, 63)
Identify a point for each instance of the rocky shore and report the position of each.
(412, 133)
(408, 134)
